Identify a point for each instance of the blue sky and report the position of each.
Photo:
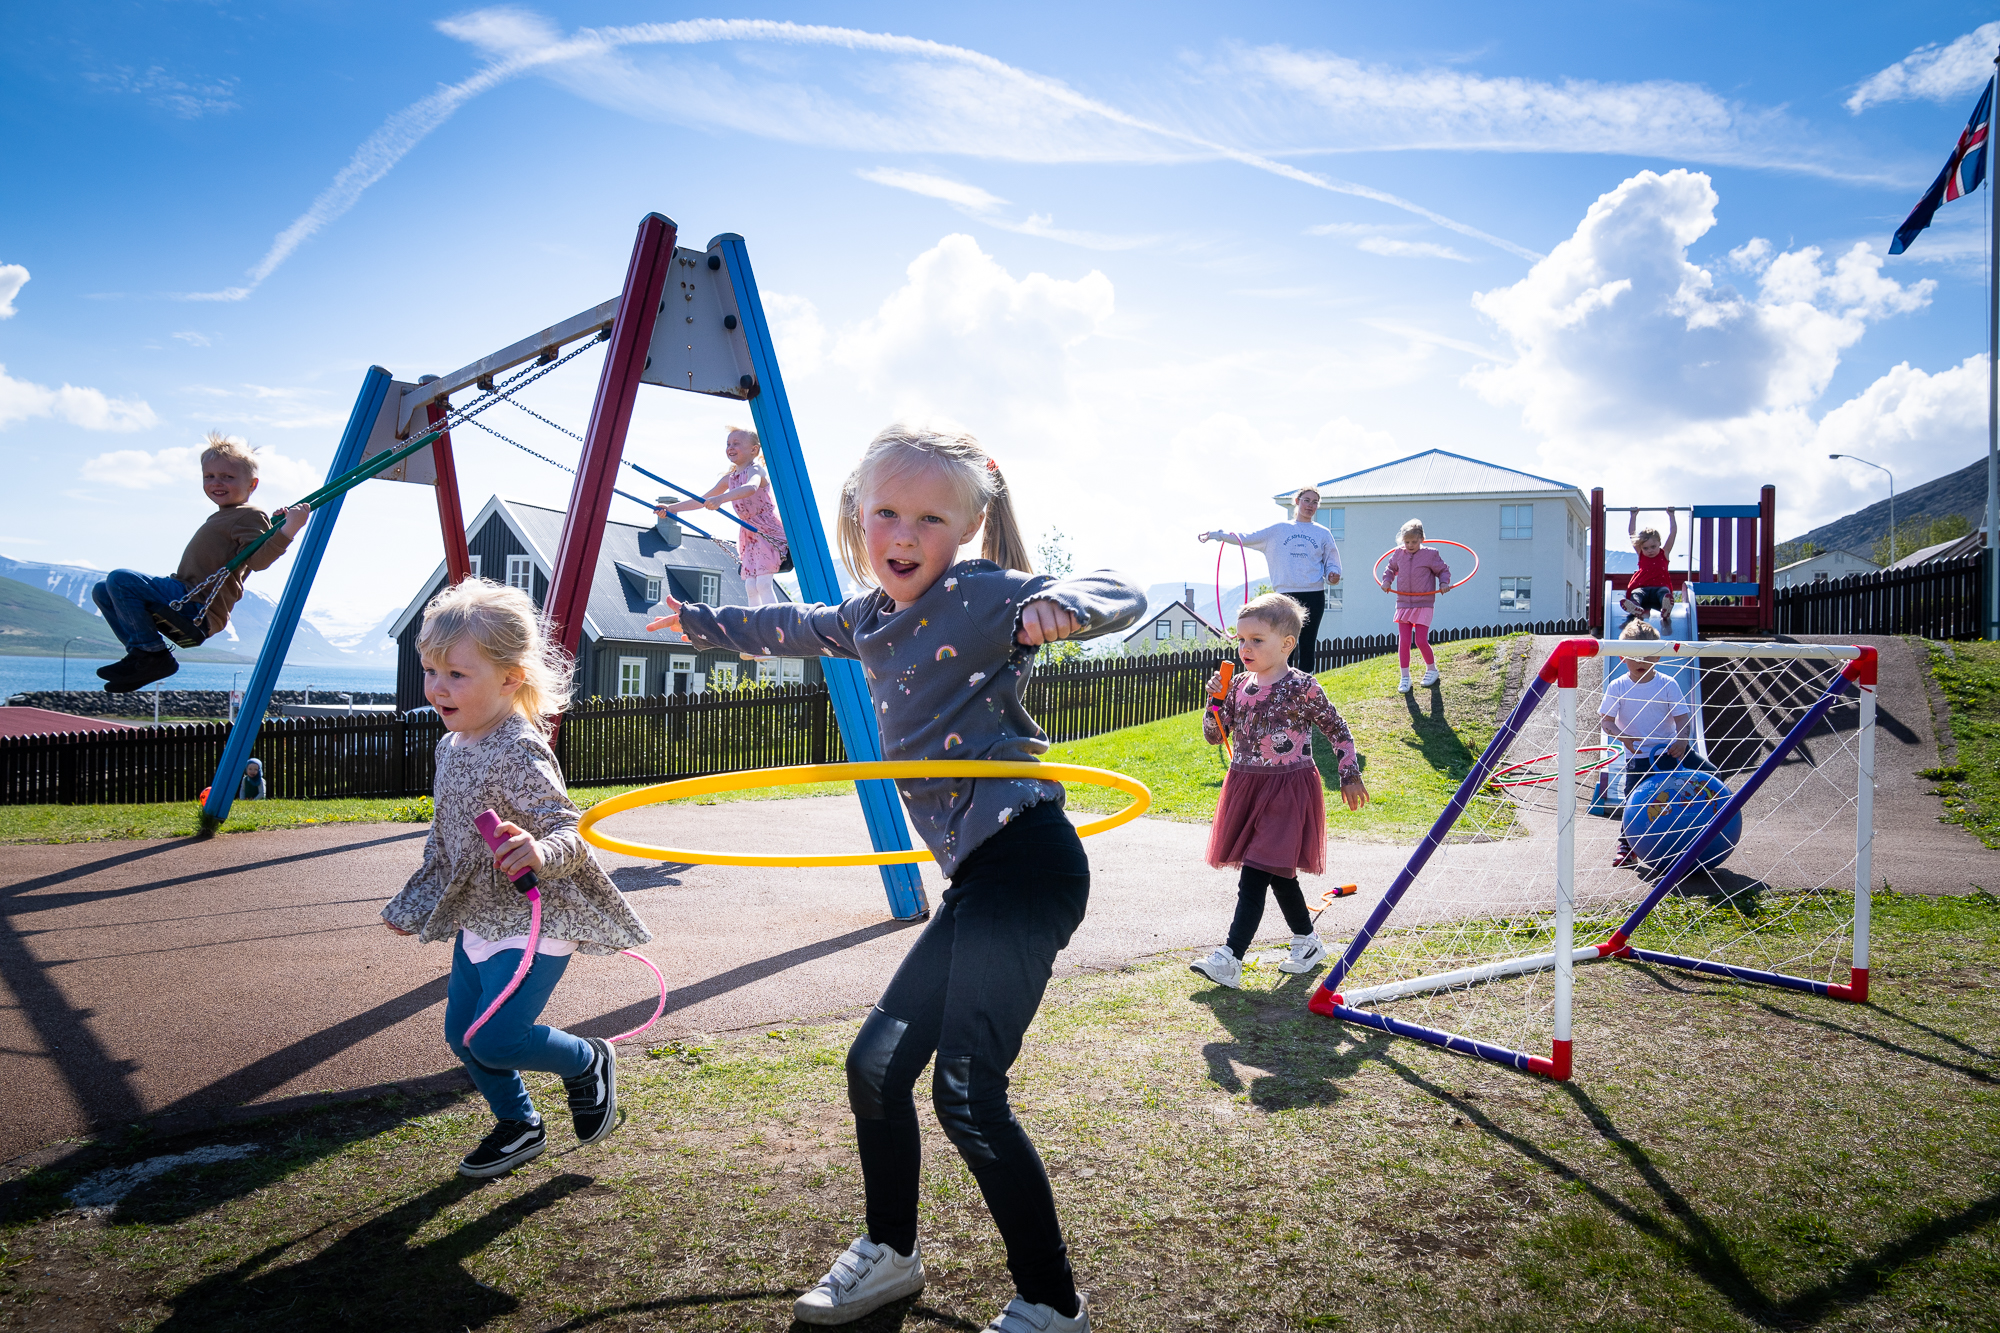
(1164, 259)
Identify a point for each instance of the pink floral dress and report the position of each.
(762, 551)
(1272, 815)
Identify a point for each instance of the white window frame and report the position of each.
(791, 671)
(723, 674)
(653, 590)
(631, 677)
(1163, 630)
(521, 573)
(711, 589)
(1336, 597)
(1520, 593)
(679, 664)
(475, 566)
(767, 671)
(1189, 630)
(1517, 535)
(1334, 521)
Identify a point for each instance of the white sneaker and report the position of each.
(1021, 1317)
(1223, 968)
(1403, 686)
(1430, 677)
(1307, 953)
(863, 1279)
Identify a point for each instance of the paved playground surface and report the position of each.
(178, 981)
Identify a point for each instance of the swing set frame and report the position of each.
(705, 333)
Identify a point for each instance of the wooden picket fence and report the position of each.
(602, 741)
(1940, 600)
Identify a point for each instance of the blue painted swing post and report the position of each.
(306, 556)
(813, 560)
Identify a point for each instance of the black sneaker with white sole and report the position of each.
(511, 1143)
(593, 1094)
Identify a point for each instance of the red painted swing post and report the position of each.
(451, 517)
(610, 419)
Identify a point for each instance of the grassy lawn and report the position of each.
(1415, 748)
(1969, 674)
(1727, 1158)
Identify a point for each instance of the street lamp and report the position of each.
(1892, 497)
(65, 666)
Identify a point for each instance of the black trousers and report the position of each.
(966, 992)
(1315, 605)
(1250, 887)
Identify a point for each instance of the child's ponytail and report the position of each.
(1003, 544)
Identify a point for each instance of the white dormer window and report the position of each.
(475, 566)
(652, 590)
(711, 589)
(521, 573)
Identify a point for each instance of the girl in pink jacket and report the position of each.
(1416, 574)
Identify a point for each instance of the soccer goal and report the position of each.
(1748, 858)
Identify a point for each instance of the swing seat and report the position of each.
(178, 627)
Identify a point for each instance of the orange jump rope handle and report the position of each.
(1221, 690)
(1335, 891)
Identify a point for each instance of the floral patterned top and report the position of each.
(512, 771)
(1271, 727)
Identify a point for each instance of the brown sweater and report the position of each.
(214, 542)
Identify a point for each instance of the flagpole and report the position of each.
(1992, 382)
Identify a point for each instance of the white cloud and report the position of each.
(1638, 367)
(279, 476)
(189, 101)
(935, 187)
(194, 339)
(13, 278)
(1932, 73)
(797, 333)
(282, 406)
(977, 203)
(1395, 249)
(88, 408)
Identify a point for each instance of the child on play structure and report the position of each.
(495, 678)
(1650, 589)
(1271, 821)
(1416, 573)
(1645, 712)
(762, 553)
(947, 645)
(1303, 559)
(127, 598)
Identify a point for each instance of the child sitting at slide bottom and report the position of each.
(495, 678)
(1646, 713)
(127, 598)
(1271, 820)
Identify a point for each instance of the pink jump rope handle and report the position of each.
(488, 824)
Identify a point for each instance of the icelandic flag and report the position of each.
(1960, 177)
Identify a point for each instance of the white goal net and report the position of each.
(1744, 855)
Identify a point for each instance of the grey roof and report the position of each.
(1957, 546)
(1838, 550)
(617, 610)
(1167, 608)
(1435, 472)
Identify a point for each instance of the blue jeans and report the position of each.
(126, 597)
(511, 1040)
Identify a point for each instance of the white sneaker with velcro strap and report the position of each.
(1308, 951)
(1022, 1317)
(863, 1279)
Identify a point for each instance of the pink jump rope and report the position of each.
(488, 824)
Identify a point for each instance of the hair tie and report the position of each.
(991, 466)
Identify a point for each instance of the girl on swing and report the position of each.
(746, 485)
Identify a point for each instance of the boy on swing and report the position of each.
(127, 598)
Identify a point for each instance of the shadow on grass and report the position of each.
(1301, 1058)
(889, 1319)
(1977, 1075)
(1701, 1247)
(374, 1276)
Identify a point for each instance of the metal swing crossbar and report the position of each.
(1858, 670)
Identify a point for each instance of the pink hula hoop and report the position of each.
(1435, 541)
(1223, 628)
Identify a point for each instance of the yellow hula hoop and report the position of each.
(1142, 800)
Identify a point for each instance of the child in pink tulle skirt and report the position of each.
(760, 554)
(1271, 820)
(1416, 573)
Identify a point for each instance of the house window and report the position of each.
(475, 566)
(1163, 629)
(767, 671)
(1517, 522)
(1569, 599)
(1514, 595)
(631, 677)
(1188, 630)
(1336, 597)
(1569, 529)
(791, 671)
(1336, 522)
(711, 589)
(681, 675)
(723, 675)
(521, 574)
(652, 591)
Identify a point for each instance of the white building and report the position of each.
(1532, 536)
(1819, 568)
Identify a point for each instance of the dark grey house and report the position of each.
(515, 543)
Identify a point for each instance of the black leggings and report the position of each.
(1250, 886)
(1315, 607)
(966, 992)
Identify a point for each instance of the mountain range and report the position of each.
(1960, 492)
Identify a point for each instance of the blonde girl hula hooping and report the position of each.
(1271, 820)
(1417, 574)
(948, 645)
(495, 677)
